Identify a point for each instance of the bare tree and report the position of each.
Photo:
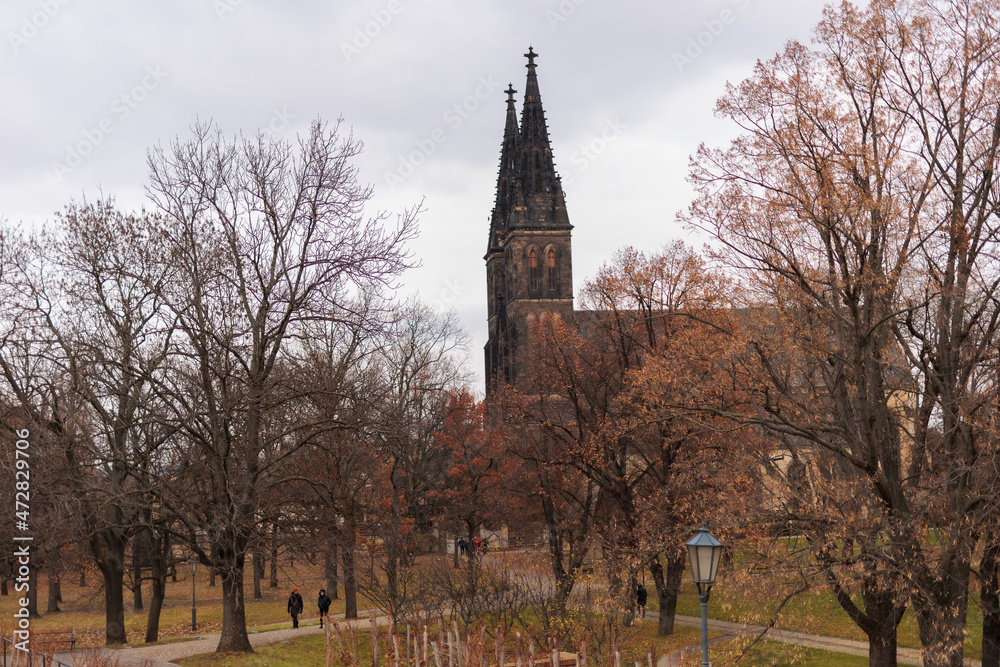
(264, 237)
(417, 369)
(88, 286)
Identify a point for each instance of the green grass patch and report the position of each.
(769, 653)
(814, 612)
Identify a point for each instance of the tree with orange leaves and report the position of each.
(860, 207)
(614, 456)
(476, 490)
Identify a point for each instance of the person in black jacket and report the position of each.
(295, 606)
(324, 605)
(640, 599)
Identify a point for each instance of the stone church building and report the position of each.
(529, 268)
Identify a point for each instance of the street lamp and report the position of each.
(704, 552)
(193, 563)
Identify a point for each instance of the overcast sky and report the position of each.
(628, 89)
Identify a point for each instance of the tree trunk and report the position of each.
(330, 570)
(454, 557)
(392, 581)
(942, 618)
(668, 585)
(882, 648)
(989, 569)
(234, 619)
(109, 554)
(53, 607)
(883, 609)
(158, 583)
(882, 617)
(211, 576)
(33, 593)
(350, 585)
(274, 562)
(258, 573)
(159, 587)
(136, 576)
(114, 605)
(57, 584)
(83, 577)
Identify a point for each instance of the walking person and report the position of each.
(324, 605)
(640, 599)
(295, 606)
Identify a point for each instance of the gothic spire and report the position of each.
(507, 175)
(538, 173)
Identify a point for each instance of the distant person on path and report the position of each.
(324, 605)
(640, 599)
(295, 606)
(463, 546)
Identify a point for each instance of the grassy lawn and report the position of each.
(83, 607)
(815, 612)
(765, 654)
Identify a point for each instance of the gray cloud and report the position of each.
(246, 62)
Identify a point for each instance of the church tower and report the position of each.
(529, 272)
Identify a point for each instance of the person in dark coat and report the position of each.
(295, 606)
(640, 599)
(324, 605)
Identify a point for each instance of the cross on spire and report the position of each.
(530, 55)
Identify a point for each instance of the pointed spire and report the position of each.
(507, 175)
(510, 130)
(538, 172)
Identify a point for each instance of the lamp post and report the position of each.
(704, 552)
(193, 563)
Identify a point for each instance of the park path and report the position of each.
(164, 655)
(905, 656)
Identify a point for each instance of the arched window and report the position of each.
(551, 270)
(533, 270)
